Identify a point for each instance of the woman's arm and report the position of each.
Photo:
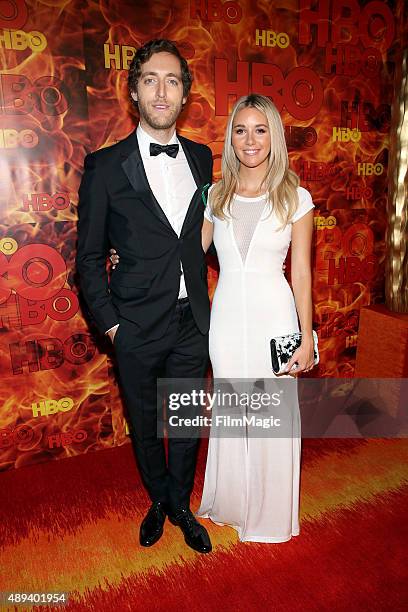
(301, 276)
(206, 240)
(207, 234)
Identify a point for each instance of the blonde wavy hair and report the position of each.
(280, 181)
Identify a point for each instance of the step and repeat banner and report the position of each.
(328, 66)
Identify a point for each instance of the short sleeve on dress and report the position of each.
(305, 204)
(207, 211)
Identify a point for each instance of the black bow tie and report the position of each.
(156, 149)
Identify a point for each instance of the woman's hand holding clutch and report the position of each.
(302, 359)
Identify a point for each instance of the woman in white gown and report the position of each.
(252, 215)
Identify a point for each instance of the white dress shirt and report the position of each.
(172, 184)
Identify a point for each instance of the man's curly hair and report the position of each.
(142, 55)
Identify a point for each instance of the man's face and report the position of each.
(159, 91)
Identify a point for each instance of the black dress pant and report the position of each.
(181, 353)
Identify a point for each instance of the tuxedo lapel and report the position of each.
(192, 161)
(195, 168)
(133, 167)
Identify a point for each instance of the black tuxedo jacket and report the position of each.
(118, 209)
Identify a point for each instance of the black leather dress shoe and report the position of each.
(151, 529)
(195, 534)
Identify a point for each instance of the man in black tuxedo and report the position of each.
(143, 196)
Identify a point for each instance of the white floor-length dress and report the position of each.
(252, 484)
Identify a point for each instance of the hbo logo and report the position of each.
(47, 407)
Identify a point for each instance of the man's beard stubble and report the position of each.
(159, 123)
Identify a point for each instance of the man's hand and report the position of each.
(114, 257)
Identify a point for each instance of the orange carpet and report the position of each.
(72, 525)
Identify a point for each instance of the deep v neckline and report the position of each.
(248, 202)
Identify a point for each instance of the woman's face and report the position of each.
(251, 138)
